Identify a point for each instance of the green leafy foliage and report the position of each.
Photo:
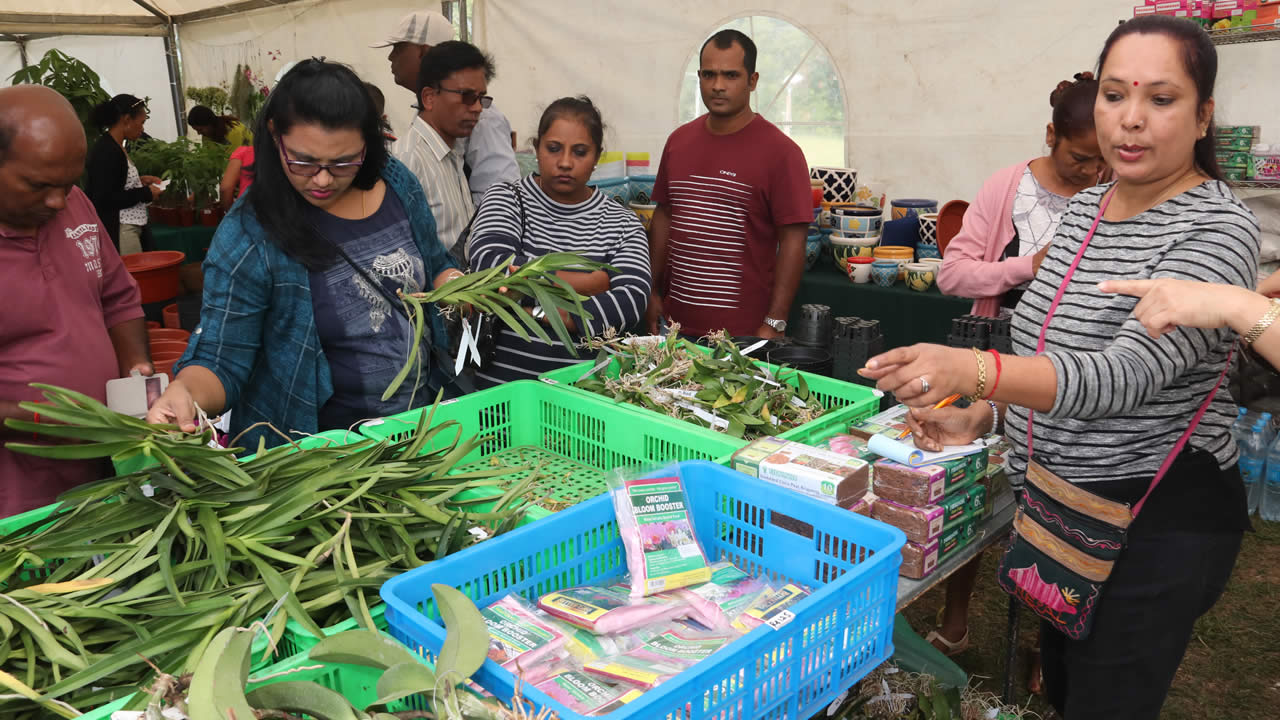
(214, 98)
(723, 389)
(73, 79)
(200, 542)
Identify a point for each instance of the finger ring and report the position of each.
(924, 385)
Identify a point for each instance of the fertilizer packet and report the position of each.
(609, 610)
(519, 636)
(716, 604)
(770, 607)
(584, 694)
(584, 646)
(665, 653)
(656, 526)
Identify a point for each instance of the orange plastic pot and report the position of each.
(170, 314)
(156, 274)
(153, 325)
(164, 366)
(165, 347)
(161, 333)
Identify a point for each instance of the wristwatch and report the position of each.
(779, 325)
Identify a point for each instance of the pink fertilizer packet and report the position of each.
(771, 607)
(520, 636)
(584, 694)
(607, 610)
(717, 603)
(664, 654)
(656, 525)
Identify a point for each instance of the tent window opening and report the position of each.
(799, 90)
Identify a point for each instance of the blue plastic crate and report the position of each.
(839, 634)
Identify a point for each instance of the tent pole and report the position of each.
(171, 56)
(462, 21)
(22, 49)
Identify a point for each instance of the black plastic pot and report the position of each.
(802, 357)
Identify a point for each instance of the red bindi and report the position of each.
(1135, 83)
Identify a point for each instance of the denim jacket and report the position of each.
(257, 329)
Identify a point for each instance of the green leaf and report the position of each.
(466, 640)
(405, 679)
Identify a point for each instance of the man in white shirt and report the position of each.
(454, 80)
(489, 154)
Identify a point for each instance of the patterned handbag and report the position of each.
(1065, 539)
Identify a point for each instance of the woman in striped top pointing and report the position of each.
(556, 211)
(1110, 401)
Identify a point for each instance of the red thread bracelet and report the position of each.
(995, 384)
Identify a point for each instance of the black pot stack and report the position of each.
(814, 327)
(854, 341)
(984, 333)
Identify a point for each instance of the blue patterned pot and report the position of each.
(884, 273)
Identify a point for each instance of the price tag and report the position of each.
(782, 618)
(834, 707)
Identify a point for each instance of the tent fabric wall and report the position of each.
(938, 95)
(133, 65)
(267, 40)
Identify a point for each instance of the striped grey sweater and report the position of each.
(1123, 399)
(598, 229)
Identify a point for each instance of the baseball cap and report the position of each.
(424, 27)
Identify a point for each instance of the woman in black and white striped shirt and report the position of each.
(556, 211)
(1110, 401)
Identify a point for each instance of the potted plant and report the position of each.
(73, 79)
(214, 98)
(202, 168)
(164, 160)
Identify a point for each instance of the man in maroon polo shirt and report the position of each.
(69, 311)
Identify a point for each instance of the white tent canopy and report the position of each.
(934, 96)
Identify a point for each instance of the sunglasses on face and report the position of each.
(311, 169)
(469, 97)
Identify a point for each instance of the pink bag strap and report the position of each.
(1053, 307)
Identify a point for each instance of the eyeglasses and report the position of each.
(310, 169)
(469, 97)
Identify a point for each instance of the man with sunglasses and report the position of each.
(489, 156)
(452, 82)
(71, 315)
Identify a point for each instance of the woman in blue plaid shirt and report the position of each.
(300, 325)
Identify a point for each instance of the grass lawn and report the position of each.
(1232, 666)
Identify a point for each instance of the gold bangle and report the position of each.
(981, 391)
(1263, 323)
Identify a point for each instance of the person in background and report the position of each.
(1166, 304)
(1005, 236)
(453, 83)
(237, 178)
(489, 157)
(380, 105)
(1111, 402)
(733, 194)
(221, 129)
(556, 211)
(71, 314)
(112, 182)
(301, 326)
(1007, 231)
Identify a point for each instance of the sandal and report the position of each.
(948, 648)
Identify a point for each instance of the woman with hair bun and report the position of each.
(1007, 230)
(118, 192)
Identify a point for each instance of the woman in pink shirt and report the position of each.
(1007, 230)
(238, 176)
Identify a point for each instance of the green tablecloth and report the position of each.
(905, 316)
(193, 241)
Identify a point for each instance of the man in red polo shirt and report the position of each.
(70, 314)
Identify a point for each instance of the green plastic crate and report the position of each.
(355, 683)
(846, 403)
(580, 435)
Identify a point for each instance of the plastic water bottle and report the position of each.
(1253, 458)
(1269, 493)
(1268, 427)
(1240, 428)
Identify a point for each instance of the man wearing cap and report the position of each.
(71, 315)
(489, 156)
(453, 84)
